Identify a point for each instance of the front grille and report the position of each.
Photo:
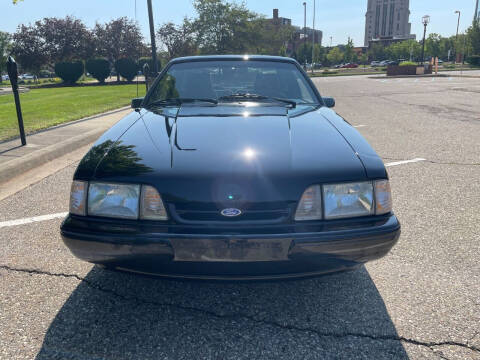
(192, 213)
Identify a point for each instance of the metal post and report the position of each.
(152, 37)
(305, 34)
(313, 37)
(475, 17)
(146, 70)
(423, 45)
(456, 36)
(13, 75)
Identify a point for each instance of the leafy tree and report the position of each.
(5, 47)
(178, 39)
(99, 69)
(120, 38)
(222, 27)
(348, 54)
(304, 53)
(66, 39)
(377, 52)
(127, 68)
(69, 72)
(473, 34)
(29, 48)
(335, 56)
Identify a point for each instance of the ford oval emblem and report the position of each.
(231, 212)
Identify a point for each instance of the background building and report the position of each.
(387, 19)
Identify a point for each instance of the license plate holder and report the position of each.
(231, 250)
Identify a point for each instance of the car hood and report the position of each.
(268, 148)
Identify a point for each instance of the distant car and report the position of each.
(5, 77)
(26, 77)
(350, 66)
(375, 63)
(440, 61)
(231, 168)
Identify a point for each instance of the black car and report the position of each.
(231, 167)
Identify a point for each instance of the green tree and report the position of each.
(377, 52)
(473, 34)
(222, 27)
(178, 39)
(5, 47)
(348, 54)
(335, 56)
(29, 48)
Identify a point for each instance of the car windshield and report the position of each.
(233, 81)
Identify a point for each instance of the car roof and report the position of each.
(233, 57)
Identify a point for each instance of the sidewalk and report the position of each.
(54, 142)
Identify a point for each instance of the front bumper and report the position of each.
(217, 253)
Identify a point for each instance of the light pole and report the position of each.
(425, 21)
(152, 37)
(305, 34)
(456, 36)
(475, 17)
(313, 35)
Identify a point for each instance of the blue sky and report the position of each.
(339, 19)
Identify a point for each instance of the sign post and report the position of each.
(13, 75)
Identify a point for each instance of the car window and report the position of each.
(216, 79)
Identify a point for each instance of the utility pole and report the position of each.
(305, 34)
(475, 17)
(313, 35)
(152, 38)
(456, 36)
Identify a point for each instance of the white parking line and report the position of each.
(359, 126)
(32, 219)
(396, 163)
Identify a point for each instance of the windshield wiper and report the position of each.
(257, 97)
(180, 101)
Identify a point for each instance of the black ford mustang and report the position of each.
(231, 167)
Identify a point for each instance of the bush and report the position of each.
(99, 69)
(148, 60)
(127, 68)
(69, 72)
(474, 60)
(408, 63)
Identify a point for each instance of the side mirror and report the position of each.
(137, 103)
(329, 101)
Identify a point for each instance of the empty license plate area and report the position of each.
(231, 250)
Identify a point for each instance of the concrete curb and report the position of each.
(408, 76)
(18, 166)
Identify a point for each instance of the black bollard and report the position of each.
(13, 75)
(146, 70)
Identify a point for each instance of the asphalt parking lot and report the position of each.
(422, 301)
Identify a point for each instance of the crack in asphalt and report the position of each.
(436, 162)
(428, 344)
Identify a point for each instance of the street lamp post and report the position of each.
(425, 21)
(305, 34)
(313, 35)
(152, 38)
(456, 36)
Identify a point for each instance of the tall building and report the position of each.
(387, 19)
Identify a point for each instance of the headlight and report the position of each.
(383, 197)
(113, 200)
(348, 200)
(78, 197)
(310, 205)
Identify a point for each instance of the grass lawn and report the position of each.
(43, 108)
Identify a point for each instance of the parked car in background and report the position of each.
(375, 63)
(231, 168)
(26, 77)
(5, 77)
(350, 66)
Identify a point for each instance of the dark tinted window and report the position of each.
(214, 79)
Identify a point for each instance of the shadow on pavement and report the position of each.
(114, 315)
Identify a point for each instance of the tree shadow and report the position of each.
(113, 315)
